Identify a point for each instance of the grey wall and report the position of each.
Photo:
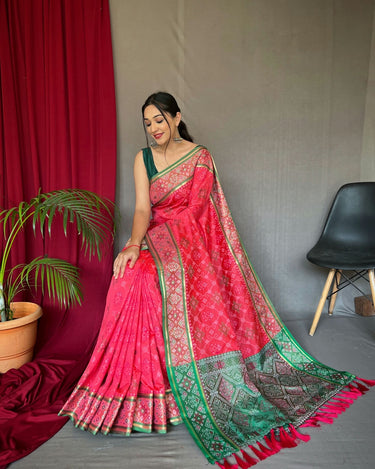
(368, 141)
(280, 91)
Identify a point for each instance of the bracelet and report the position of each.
(131, 246)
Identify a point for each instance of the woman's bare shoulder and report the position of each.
(139, 164)
(192, 145)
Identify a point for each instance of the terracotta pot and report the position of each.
(18, 337)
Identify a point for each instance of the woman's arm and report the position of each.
(141, 219)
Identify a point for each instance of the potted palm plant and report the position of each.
(92, 217)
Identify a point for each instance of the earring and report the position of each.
(178, 138)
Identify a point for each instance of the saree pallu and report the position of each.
(241, 383)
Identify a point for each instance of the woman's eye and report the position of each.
(147, 125)
(159, 121)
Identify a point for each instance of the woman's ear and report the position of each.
(178, 118)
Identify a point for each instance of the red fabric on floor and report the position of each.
(57, 131)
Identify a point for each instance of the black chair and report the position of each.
(347, 243)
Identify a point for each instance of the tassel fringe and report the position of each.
(271, 444)
(339, 403)
(291, 437)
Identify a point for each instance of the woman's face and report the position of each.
(157, 126)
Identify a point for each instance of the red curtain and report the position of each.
(57, 130)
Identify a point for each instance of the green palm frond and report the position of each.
(56, 277)
(90, 212)
(93, 217)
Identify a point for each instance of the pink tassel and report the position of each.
(351, 394)
(348, 392)
(241, 463)
(329, 413)
(324, 418)
(339, 403)
(249, 459)
(345, 401)
(331, 409)
(312, 422)
(362, 387)
(318, 418)
(293, 431)
(272, 442)
(227, 465)
(258, 453)
(367, 382)
(355, 388)
(268, 451)
(286, 440)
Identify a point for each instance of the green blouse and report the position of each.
(149, 162)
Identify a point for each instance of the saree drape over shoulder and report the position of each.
(241, 383)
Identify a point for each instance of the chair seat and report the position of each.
(342, 258)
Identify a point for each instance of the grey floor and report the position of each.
(346, 343)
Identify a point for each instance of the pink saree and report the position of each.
(190, 333)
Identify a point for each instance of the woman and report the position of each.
(188, 332)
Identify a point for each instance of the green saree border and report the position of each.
(171, 376)
(181, 160)
(193, 360)
(193, 363)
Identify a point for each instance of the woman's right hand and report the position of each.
(128, 256)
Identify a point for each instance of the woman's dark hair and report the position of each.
(165, 102)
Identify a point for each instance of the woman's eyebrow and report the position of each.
(157, 115)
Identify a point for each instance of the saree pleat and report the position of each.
(125, 386)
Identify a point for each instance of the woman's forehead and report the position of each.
(151, 111)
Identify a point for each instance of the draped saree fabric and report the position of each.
(237, 374)
(241, 382)
(57, 131)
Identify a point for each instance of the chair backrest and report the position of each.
(351, 219)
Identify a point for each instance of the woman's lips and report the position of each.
(157, 136)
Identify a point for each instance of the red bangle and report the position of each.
(131, 246)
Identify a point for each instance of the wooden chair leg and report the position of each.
(322, 301)
(336, 284)
(371, 277)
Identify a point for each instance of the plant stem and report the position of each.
(8, 245)
(2, 304)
